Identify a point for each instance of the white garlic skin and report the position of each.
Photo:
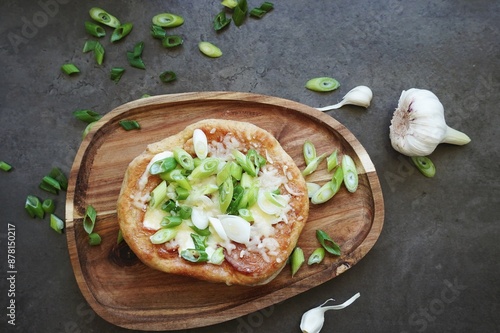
(418, 124)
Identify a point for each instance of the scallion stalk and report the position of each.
(69, 69)
(424, 165)
(240, 12)
(229, 3)
(94, 29)
(87, 115)
(121, 32)
(101, 16)
(87, 129)
(327, 243)
(4, 166)
(129, 125)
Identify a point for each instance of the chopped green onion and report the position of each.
(182, 193)
(221, 21)
(325, 193)
(225, 194)
(309, 152)
(223, 174)
(168, 76)
(194, 255)
(158, 195)
(200, 143)
(135, 57)
(424, 165)
(94, 239)
(183, 158)
(116, 74)
(69, 69)
(89, 46)
(185, 212)
(87, 129)
(101, 16)
(89, 219)
(165, 165)
(259, 12)
(236, 170)
(178, 177)
(350, 173)
(206, 168)
(332, 161)
(168, 20)
(199, 241)
(217, 257)
(297, 259)
(129, 124)
(258, 161)
(238, 191)
(313, 165)
(240, 12)
(267, 6)
(99, 53)
(119, 237)
(49, 184)
(202, 232)
(94, 29)
(322, 84)
(169, 205)
(34, 207)
(145, 96)
(163, 235)
(48, 206)
(87, 116)
(172, 41)
(312, 188)
(327, 243)
(158, 32)
(229, 3)
(138, 49)
(171, 221)
(121, 31)
(56, 223)
(60, 177)
(5, 166)
(209, 49)
(317, 256)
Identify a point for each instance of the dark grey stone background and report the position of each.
(435, 267)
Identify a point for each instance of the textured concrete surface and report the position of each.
(435, 267)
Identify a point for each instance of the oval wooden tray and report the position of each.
(126, 292)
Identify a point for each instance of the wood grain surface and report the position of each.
(126, 292)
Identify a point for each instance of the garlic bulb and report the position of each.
(418, 124)
(360, 96)
(313, 320)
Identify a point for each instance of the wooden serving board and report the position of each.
(127, 293)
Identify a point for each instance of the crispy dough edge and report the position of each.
(130, 216)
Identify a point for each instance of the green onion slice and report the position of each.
(87, 129)
(199, 241)
(325, 193)
(229, 3)
(121, 31)
(259, 12)
(240, 12)
(168, 20)
(424, 165)
(168, 76)
(116, 74)
(317, 256)
(119, 237)
(163, 235)
(94, 29)
(138, 49)
(48, 206)
(89, 46)
(135, 61)
(182, 193)
(86, 115)
(312, 188)
(94, 239)
(309, 152)
(34, 207)
(56, 223)
(185, 212)
(350, 173)
(172, 41)
(158, 195)
(313, 164)
(183, 158)
(158, 32)
(200, 143)
(225, 194)
(327, 243)
(297, 259)
(194, 255)
(99, 53)
(165, 165)
(209, 49)
(171, 221)
(169, 205)
(221, 21)
(206, 168)
(238, 191)
(69, 69)
(60, 177)
(332, 161)
(202, 232)
(101, 16)
(217, 257)
(129, 124)
(322, 84)
(50, 184)
(89, 219)
(4, 166)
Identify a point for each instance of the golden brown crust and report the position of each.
(250, 269)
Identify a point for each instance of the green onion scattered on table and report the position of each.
(69, 69)
(56, 223)
(5, 166)
(94, 29)
(424, 165)
(116, 74)
(34, 207)
(167, 20)
(121, 32)
(101, 16)
(87, 115)
(322, 84)
(221, 21)
(48, 206)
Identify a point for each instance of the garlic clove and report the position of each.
(360, 96)
(312, 320)
(418, 125)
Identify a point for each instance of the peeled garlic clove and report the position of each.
(418, 125)
(312, 321)
(360, 96)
